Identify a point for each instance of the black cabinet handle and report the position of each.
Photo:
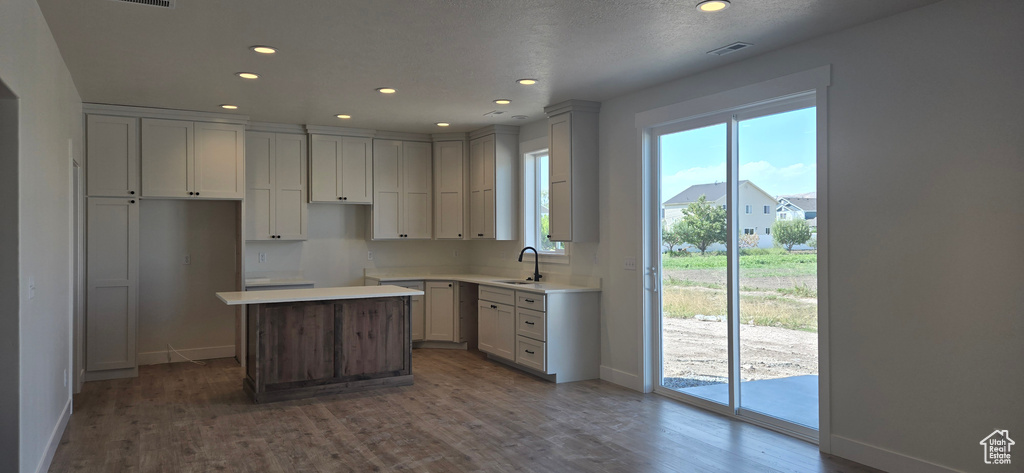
(460, 235)
(131, 201)
(131, 192)
(341, 198)
(344, 198)
(527, 322)
(494, 306)
(191, 193)
(528, 300)
(528, 351)
(549, 237)
(479, 234)
(197, 193)
(449, 285)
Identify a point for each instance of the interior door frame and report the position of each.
(761, 95)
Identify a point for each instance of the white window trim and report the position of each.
(530, 206)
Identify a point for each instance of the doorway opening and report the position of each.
(732, 223)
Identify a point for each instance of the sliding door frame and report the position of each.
(764, 98)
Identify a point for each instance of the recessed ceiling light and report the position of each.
(527, 81)
(443, 124)
(248, 75)
(386, 90)
(228, 106)
(343, 116)
(713, 5)
(503, 101)
(264, 49)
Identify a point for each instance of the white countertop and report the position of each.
(271, 282)
(496, 281)
(316, 294)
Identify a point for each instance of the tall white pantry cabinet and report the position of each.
(134, 153)
(572, 170)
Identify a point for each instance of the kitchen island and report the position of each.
(309, 342)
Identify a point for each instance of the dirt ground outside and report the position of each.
(695, 345)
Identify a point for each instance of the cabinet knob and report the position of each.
(460, 235)
(131, 201)
(341, 198)
(449, 285)
(131, 192)
(191, 193)
(197, 193)
(344, 198)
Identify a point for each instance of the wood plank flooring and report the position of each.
(464, 413)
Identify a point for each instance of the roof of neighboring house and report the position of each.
(807, 204)
(712, 192)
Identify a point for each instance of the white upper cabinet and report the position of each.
(402, 186)
(449, 189)
(112, 150)
(572, 170)
(275, 186)
(341, 169)
(492, 183)
(184, 159)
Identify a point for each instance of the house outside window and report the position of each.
(767, 210)
(748, 231)
(768, 231)
(749, 210)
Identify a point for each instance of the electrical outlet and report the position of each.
(31, 287)
(188, 259)
(369, 256)
(263, 257)
(630, 264)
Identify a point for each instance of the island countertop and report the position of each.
(315, 294)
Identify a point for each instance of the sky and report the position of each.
(776, 152)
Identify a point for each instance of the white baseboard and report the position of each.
(622, 378)
(58, 432)
(877, 457)
(205, 353)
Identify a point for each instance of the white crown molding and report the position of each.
(164, 113)
(572, 106)
(494, 130)
(276, 128)
(340, 131)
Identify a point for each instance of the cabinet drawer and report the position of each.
(496, 294)
(530, 300)
(531, 353)
(530, 323)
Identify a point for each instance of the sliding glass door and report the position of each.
(738, 265)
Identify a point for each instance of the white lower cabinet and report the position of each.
(112, 279)
(417, 311)
(441, 311)
(496, 325)
(553, 335)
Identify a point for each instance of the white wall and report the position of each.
(49, 115)
(177, 304)
(926, 338)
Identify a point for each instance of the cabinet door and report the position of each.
(487, 327)
(477, 215)
(448, 190)
(373, 338)
(505, 336)
(259, 183)
(219, 161)
(356, 170)
(387, 189)
(417, 310)
(560, 177)
(112, 273)
(290, 187)
(417, 172)
(325, 168)
(167, 158)
(113, 156)
(440, 314)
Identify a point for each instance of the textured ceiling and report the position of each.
(448, 59)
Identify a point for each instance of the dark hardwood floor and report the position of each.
(464, 413)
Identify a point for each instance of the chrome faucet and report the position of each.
(536, 263)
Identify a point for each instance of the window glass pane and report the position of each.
(543, 204)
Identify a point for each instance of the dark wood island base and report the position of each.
(304, 349)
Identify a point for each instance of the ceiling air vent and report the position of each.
(729, 49)
(152, 3)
